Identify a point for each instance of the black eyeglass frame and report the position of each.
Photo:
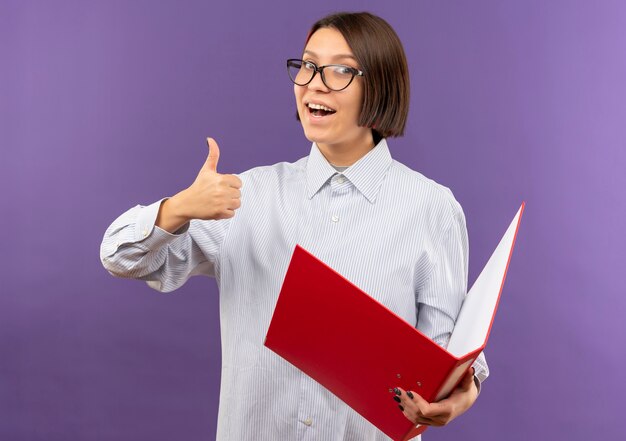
(355, 72)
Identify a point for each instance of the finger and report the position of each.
(429, 411)
(468, 380)
(406, 398)
(227, 213)
(414, 404)
(441, 409)
(235, 204)
(232, 181)
(420, 402)
(429, 422)
(214, 155)
(410, 410)
(419, 419)
(235, 194)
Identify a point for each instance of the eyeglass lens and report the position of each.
(335, 77)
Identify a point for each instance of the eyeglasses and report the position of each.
(334, 76)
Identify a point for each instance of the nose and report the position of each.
(317, 83)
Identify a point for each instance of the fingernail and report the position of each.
(397, 399)
(401, 408)
(397, 391)
(410, 394)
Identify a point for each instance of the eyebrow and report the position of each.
(334, 57)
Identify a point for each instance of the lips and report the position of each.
(319, 110)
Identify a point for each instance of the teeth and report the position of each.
(319, 107)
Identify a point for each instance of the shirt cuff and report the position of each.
(145, 232)
(148, 233)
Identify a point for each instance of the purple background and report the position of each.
(104, 105)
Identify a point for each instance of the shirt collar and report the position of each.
(366, 174)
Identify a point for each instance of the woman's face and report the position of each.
(339, 129)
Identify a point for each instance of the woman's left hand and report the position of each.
(440, 413)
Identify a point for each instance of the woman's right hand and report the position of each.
(211, 196)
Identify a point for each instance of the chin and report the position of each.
(314, 136)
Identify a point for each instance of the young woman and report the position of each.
(396, 234)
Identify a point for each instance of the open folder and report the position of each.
(360, 350)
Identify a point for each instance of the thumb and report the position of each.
(468, 379)
(214, 155)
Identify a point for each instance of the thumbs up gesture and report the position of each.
(211, 196)
(214, 155)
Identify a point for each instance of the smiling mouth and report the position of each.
(319, 110)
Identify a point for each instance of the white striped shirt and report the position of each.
(397, 235)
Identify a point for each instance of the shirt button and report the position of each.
(341, 180)
(145, 233)
(335, 218)
(308, 422)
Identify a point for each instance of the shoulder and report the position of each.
(278, 173)
(426, 196)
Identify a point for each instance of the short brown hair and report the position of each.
(381, 57)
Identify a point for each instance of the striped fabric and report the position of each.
(394, 233)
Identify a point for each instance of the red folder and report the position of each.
(360, 350)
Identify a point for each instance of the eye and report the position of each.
(308, 65)
(343, 70)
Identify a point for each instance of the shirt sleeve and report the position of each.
(440, 298)
(134, 247)
(481, 369)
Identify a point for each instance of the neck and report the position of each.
(346, 154)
